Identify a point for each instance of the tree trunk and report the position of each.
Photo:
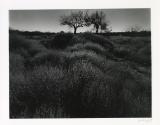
(97, 30)
(75, 30)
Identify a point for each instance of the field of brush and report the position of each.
(79, 76)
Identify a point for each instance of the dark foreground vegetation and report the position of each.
(84, 75)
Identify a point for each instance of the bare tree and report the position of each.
(98, 20)
(75, 20)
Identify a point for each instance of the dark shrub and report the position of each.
(17, 41)
(95, 47)
(25, 47)
(75, 47)
(16, 63)
(128, 87)
(87, 46)
(17, 91)
(30, 91)
(52, 58)
(122, 52)
(122, 40)
(46, 87)
(17, 82)
(77, 39)
(143, 56)
(46, 83)
(98, 97)
(99, 40)
(60, 41)
(19, 44)
(97, 60)
(135, 49)
(80, 75)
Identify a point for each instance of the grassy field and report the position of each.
(84, 75)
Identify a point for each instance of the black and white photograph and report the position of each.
(80, 63)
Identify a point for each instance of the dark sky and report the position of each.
(48, 20)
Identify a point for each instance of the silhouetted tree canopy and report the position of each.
(75, 20)
(98, 20)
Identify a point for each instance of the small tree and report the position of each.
(98, 20)
(75, 20)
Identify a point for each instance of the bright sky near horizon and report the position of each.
(48, 20)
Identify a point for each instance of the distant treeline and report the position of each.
(30, 33)
(142, 33)
(38, 33)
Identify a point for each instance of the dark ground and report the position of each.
(84, 75)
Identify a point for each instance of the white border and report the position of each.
(6, 5)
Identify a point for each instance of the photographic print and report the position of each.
(80, 63)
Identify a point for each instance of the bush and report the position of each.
(137, 49)
(19, 44)
(122, 40)
(28, 92)
(95, 47)
(46, 84)
(18, 93)
(129, 85)
(95, 59)
(143, 56)
(66, 59)
(87, 46)
(78, 39)
(52, 58)
(75, 47)
(97, 94)
(16, 63)
(80, 75)
(98, 98)
(123, 52)
(99, 40)
(60, 41)
(17, 41)
(25, 47)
